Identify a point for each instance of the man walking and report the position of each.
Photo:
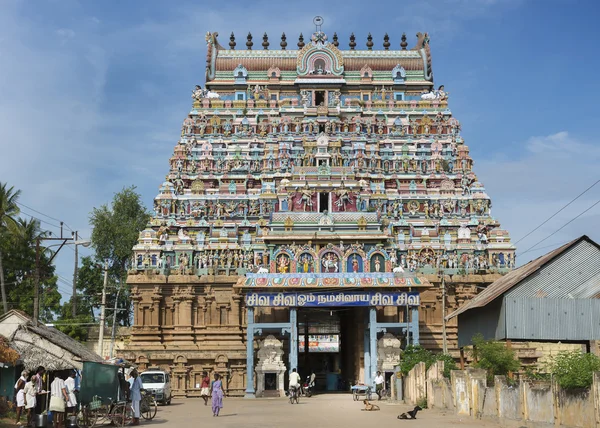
(379, 382)
(136, 396)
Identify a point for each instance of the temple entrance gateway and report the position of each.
(336, 334)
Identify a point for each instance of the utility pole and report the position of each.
(36, 295)
(74, 301)
(444, 340)
(114, 325)
(102, 310)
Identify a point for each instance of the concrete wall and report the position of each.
(415, 387)
(532, 403)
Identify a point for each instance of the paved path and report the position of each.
(332, 410)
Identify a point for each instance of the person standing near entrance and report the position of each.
(30, 399)
(58, 399)
(205, 388)
(136, 396)
(216, 390)
(379, 382)
(72, 401)
(20, 388)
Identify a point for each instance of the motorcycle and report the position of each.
(308, 388)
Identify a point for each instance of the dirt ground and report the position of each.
(332, 410)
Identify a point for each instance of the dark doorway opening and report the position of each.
(321, 128)
(320, 98)
(335, 349)
(270, 381)
(323, 202)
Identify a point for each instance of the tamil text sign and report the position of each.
(343, 298)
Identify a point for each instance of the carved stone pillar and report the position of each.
(235, 309)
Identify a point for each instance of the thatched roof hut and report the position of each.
(43, 346)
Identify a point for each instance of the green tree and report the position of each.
(414, 354)
(574, 369)
(116, 231)
(89, 286)
(78, 327)
(494, 357)
(20, 271)
(9, 210)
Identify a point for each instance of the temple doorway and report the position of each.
(335, 346)
(319, 98)
(323, 202)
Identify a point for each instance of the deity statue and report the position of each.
(355, 265)
(330, 263)
(306, 198)
(343, 197)
(283, 264)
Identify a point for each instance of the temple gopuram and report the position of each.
(320, 212)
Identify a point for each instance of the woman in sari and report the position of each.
(217, 395)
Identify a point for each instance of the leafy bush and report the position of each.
(422, 402)
(414, 354)
(494, 357)
(574, 369)
(449, 363)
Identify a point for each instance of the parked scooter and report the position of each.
(308, 388)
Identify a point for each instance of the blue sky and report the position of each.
(92, 94)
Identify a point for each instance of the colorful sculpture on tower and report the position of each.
(313, 161)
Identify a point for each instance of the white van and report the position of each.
(158, 383)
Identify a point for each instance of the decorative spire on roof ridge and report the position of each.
(249, 41)
(335, 40)
(232, 41)
(283, 43)
(265, 42)
(370, 42)
(352, 41)
(386, 42)
(403, 43)
(301, 41)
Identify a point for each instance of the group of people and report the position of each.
(62, 392)
(214, 391)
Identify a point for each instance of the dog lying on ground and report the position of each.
(369, 407)
(411, 414)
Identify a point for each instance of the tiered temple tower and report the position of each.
(307, 167)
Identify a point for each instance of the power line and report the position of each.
(553, 215)
(558, 244)
(40, 220)
(45, 215)
(562, 227)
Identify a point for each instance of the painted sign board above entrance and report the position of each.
(329, 280)
(335, 298)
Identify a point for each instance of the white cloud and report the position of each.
(528, 189)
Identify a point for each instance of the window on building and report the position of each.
(273, 74)
(366, 74)
(273, 97)
(323, 202)
(365, 97)
(399, 96)
(319, 98)
(240, 96)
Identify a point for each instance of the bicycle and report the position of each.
(92, 414)
(121, 413)
(148, 406)
(294, 395)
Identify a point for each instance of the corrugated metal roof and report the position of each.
(508, 282)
